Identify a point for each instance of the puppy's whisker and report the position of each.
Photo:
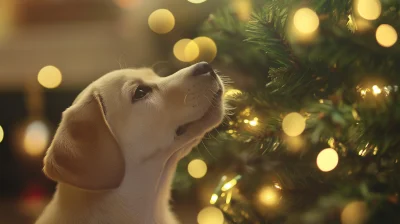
(184, 99)
(205, 147)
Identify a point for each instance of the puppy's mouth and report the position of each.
(217, 98)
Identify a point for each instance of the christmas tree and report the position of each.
(315, 137)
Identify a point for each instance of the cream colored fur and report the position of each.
(114, 160)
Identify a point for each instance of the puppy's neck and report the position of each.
(143, 196)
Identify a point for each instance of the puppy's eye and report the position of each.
(141, 91)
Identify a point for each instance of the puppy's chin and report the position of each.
(192, 133)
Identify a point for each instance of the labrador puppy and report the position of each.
(116, 149)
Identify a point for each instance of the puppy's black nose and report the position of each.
(203, 68)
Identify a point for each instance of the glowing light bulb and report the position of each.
(36, 138)
(253, 123)
(210, 215)
(207, 49)
(197, 168)
(369, 9)
(214, 198)
(386, 35)
(376, 90)
(196, 1)
(161, 21)
(229, 185)
(1, 134)
(306, 20)
(293, 124)
(327, 160)
(268, 196)
(186, 50)
(355, 212)
(49, 77)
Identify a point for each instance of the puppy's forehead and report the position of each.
(116, 79)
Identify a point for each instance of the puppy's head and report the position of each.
(128, 117)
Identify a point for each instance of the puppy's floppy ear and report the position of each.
(84, 152)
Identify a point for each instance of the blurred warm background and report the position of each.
(51, 49)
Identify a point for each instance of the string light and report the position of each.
(161, 21)
(197, 168)
(49, 77)
(293, 124)
(1, 134)
(254, 122)
(355, 212)
(327, 160)
(210, 215)
(376, 90)
(207, 49)
(36, 138)
(231, 183)
(268, 196)
(186, 50)
(386, 35)
(369, 9)
(196, 1)
(306, 21)
(214, 198)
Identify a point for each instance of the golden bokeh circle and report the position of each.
(207, 49)
(386, 35)
(293, 124)
(197, 168)
(355, 212)
(196, 1)
(186, 50)
(327, 160)
(268, 196)
(49, 77)
(1, 134)
(210, 215)
(369, 9)
(36, 138)
(306, 21)
(161, 21)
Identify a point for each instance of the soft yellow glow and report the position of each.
(228, 197)
(327, 160)
(49, 77)
(246, 121)
(369, 9)
(294, 144)
(306, 21)
(242, 8)
(277, 186)
(210, 215)
(229, 185)
(376, 90)
(293, 124)
(253, 123)
(161, 21)
(197, 1)
(1, 134)
(268, 196)
(232, 93)
(386, 35)
(207, 49)
(214, 198)
(197, 168)
(36, 138)
(186, 50)
(355, 212)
